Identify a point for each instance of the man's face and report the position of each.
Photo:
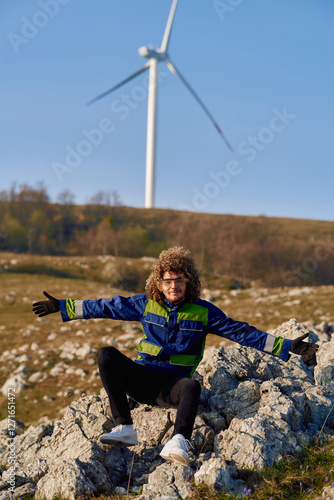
(173, 286)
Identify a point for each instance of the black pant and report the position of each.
(120, 376)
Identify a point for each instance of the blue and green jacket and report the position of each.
(174, 335)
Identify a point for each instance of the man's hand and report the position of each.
(44, 307)
(306, 350)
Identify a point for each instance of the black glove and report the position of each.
(44, 307)
(306, 350)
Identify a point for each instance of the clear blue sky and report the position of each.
(264, 68)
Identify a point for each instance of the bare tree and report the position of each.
(4, 195)
(107, 198)
(66, 197)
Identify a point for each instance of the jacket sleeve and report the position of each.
(247, 335)
(119, 308)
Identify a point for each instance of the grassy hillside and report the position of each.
(268, 251)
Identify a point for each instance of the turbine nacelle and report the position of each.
(150, 53)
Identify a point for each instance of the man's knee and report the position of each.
(106, 355)
(191, 386)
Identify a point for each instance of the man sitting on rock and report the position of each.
(175, 324)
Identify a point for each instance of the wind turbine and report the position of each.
(155, 56)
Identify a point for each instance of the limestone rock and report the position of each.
(168, 481)
(214, 420)
(29, 443)
(215, 373)
(76, 435)
(255, 442)
(215, 473)
(279, 406)
(202, 436)
(23, 491)
(17, 427)
(319, 404)
(32, 469)
(150, 422)
(18, 381)
(37, 377)
(324, 371)
(291, 329)
(66, 480)
(242, 401)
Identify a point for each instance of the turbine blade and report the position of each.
(104, 94)
(173, 69)
(165, 40)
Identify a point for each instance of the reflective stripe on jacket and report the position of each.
(174, 335)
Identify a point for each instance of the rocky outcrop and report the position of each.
(254, 410)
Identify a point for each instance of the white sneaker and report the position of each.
(176, 450)
(124, 434)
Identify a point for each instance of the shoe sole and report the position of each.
(175, 458)
(115, 441)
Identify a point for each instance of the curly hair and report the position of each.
(179, 260)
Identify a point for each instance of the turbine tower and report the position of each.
(155, 56)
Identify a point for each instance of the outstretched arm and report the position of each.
(119, 308)
(250, 336)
